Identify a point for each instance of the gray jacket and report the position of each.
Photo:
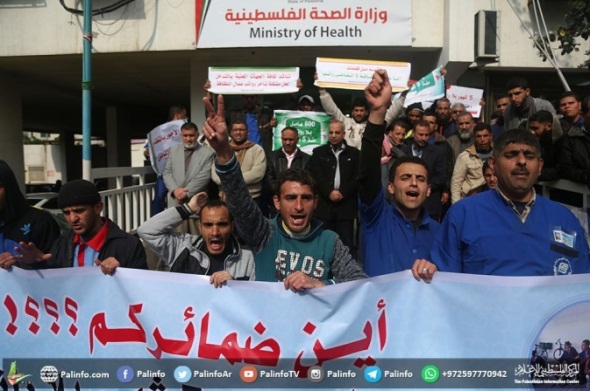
(184, 253)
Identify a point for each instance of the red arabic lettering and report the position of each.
(51, 310)
(12, 311)
(266, 352)
(175, 346)
(104, 335)
(32, 309)
(72, 312)
(382, 324)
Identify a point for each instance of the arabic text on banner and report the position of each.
(284, 23)
(160, 140)
(228, 80)
(312, 128)
(82, 314)
(356, 74)
(470, 97)
(428, 88)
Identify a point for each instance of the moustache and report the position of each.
(520, 171)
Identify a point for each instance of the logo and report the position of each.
(182, 374)
(26, 229)
(562, 267)
(248, 374)
(430, 373)
(315, 374)
(49, 374)
(373, 374)
(125, 374)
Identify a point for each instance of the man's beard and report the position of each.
(190, 145)
(465, 135)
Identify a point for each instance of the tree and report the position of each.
(577, 25)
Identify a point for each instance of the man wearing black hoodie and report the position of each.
(19, 222)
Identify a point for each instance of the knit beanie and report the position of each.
(77, 192)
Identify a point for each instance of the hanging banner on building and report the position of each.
(253, 80)
(312, 127)
(160, 140)
(259, 23)
(429, 88)
(138, 328)
(470, 97)
(356, 74)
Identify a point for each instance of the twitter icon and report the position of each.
(182, 374)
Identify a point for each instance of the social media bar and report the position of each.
(393, 373)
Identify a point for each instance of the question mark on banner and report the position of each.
(32, 309)
(51, 309)
(13, 311)
(72, 312)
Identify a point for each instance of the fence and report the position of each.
(128, 198)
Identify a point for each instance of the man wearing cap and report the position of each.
(306, 103)
(93, 240)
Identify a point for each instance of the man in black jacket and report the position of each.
(574, 156)
(334, 167)
(93, 240)
(289, 156)
(20, 222)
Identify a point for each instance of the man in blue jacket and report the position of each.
(512, 231)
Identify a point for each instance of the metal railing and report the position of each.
(564, 184)
(128, 202)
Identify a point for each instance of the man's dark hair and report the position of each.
(480, 127)
(174, 110)
(189, 126)
(298, 175)
(238, 121)
(542, 116)
(443, 100)
(568, 343)
(485, 166)
(501, 96)
(567, 94)
(517, 82)
(423, 124)
(401, 124)
(586, 341)
(519, 136)
(360, 102)
(406, 159)
(291, 129)
(429, 113)
(216, 203)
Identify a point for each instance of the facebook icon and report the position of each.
(125, 374)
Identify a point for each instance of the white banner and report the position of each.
(160, 140)
(138, 328)
(253, 80)
(259, 23)
(470, 97)
(356, 74)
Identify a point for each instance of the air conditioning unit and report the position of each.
(36, 174)
(486, 34)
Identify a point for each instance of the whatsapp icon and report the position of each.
(430, 373)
